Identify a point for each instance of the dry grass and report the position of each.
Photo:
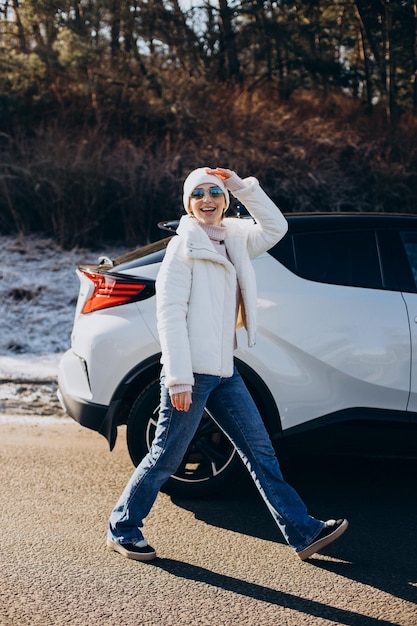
(82, 185)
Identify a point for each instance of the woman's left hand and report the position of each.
(181, 401)
(220, 172)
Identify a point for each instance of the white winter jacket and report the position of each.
(196, 288)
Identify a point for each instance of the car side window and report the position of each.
(409, 240)
(336, 257)
(283, 252)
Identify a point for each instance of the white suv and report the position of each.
(333, 370)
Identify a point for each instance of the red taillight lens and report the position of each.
(114, 289)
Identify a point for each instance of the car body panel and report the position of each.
(357, 354)
(108, 337)
(325, 353)
(411, 303)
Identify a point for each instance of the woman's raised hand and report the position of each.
(220, 172)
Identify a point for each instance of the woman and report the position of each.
(205, 285)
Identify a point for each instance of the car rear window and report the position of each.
(146, 255)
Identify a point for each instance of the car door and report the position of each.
(409, 242)
(335, 338)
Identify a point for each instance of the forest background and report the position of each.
(106, 105)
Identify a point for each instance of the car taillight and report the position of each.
(115, 289)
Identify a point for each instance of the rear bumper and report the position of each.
(75, 396)
(97, 417)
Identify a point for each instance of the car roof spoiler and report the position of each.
(171, 225)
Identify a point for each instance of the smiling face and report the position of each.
(207, 203)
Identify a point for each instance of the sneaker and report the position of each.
(139, 551)
(332, 530)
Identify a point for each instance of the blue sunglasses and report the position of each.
(214, 192)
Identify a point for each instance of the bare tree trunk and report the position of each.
(414, 79)
(265, 38)
(20, 30)
(229, 41)
(389, 67)
(365, 59)
(115, 29)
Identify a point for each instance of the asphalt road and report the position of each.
(221, 560)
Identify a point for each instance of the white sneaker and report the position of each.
(139, 551)
(332, 530)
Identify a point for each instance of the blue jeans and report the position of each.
(237, 415)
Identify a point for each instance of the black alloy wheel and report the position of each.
(210, 463)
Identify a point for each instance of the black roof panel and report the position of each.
(310, 222)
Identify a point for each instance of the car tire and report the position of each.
(211, 462)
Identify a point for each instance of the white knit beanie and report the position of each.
(198, 177)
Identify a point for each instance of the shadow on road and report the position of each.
(266, 594)
(378, 496)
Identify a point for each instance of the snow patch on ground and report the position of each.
(29, 366)
(34, 419)
(38, 294)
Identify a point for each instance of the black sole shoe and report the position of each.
(131, 551)
(332, 530)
